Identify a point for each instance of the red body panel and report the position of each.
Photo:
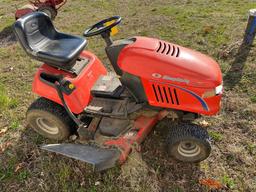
(173, 76)
(81, 96)
(183, 98)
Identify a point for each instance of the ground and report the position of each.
(214, 27)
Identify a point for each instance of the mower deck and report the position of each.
(114, 150)
(100, 158)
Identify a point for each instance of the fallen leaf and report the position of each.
(208, 29)
(4, 146)
(211, 183)
(18, 167)
(3, 131)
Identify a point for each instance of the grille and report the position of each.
(165, 94)
(168, 49)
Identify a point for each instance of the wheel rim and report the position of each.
(189, 149)
(47, 126)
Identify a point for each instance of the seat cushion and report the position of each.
(61, 52)
(43, 42)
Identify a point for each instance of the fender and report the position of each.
(83, 83)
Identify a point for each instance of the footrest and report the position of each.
(100, 158)
(113, 127)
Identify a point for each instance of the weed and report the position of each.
(23, 175)
(93, 189)
(229, 182)
(5, 101)
(251, 148)
(253, 99)
(15, 124)
(215, 135)
(7, 172)
(64, 175)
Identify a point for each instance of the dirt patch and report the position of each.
(7, 37)
(139, 175)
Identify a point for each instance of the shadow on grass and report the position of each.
(235, 73)
(7, 37)
(68, 174)
(23, 165)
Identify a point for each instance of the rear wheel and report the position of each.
(50, 119)
(188, 143)
(48, 10)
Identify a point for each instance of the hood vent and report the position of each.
(165, 94)
(168, 49)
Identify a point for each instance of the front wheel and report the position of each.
(188, 143)
(50, 119)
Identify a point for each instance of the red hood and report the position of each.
(147, 56)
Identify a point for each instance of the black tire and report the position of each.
(188, 143)
(50, 11)
(50, 119)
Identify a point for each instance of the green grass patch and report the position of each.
(15, 124)
(251, 148)
(23, 175)
(253, 99)
(63, 176)
(7, 171)
(215, 135)
(229, 182)
(5, 101)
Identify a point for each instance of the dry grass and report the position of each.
(213, 27)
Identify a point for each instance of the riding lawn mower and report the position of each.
(50, 7)
(113, 112)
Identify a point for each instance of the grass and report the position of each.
(5, 101)
(229, 182)
(253, 99)
(215, 135)
(251, 148)
(15, 124)
(7, 171)
(214, 27)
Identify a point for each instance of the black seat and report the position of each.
(43, 42)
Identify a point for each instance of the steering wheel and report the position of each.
(101, 26)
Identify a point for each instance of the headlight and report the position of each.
(211, 93)
(219, 89)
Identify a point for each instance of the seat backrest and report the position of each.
(34, 30)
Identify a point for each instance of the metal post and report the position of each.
(251, 28)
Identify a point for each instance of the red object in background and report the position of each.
(211, 183)
(37, 4)
(26, 9)
(54, 3)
